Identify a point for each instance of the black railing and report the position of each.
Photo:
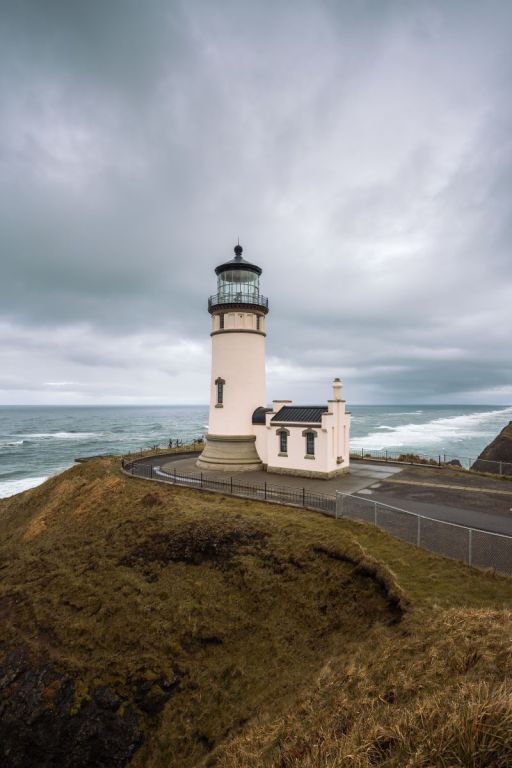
(446, 460)
(235, 486)
(237, 297)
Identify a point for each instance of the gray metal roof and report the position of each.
(238, 263)
(304, 414)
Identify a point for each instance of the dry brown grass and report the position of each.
(434, 694)
(298, 640)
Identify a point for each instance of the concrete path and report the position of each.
(463, 498)
(360, 476)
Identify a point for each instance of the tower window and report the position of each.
(258, 322)
(219, 383)
(221, 321)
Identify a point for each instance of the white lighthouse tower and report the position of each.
(238, 384)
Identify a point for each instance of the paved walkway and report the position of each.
(466, 499)
(361, 475)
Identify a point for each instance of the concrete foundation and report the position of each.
(308, 473)
(230, 453)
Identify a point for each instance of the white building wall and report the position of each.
(331, 441)
(260, 431)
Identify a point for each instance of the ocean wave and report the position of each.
(11, 443)
(437, 431)
(64, 435)
(11, 487)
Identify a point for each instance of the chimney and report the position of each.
(337, 389)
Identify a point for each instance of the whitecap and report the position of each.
(65, 435)
(11, 443)
(11, 487)
(436, 432)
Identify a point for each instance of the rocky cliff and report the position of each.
(499, 451)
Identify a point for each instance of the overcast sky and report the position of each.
(362, 152)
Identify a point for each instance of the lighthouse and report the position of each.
(238, 384)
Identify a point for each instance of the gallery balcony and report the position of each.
(237, 299)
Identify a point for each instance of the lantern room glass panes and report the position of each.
(238, 285)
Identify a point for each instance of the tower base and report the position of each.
(230, 453)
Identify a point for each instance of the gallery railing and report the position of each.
(237, 297)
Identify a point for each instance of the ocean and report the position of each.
(39, 441)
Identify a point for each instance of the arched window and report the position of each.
(310, 436)
(219, 383)
(282, 436)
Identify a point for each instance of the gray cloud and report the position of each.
(361, 151)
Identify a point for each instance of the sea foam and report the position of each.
(11, 487)
(434, 433)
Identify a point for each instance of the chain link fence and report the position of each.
(474, 547)
(502, 468)
(471, 545)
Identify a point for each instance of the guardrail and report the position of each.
(502, 468)
(475, 547)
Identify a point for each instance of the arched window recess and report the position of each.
(282, 436)
(310, 435)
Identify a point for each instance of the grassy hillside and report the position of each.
(156, 626)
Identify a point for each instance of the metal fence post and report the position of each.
(501, 467)
(303, 497)
(418, 532)
(174, 475)
(231, 484)
(470, 547)
(375, 512)
(201, 479)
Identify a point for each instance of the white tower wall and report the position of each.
(238, 359)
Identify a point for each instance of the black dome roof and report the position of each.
(238, 263)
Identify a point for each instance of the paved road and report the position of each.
(485, 521)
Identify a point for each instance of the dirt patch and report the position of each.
(368, 568)
(195, 544)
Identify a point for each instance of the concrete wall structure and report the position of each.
(331, 433)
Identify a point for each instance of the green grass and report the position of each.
(255, 610)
